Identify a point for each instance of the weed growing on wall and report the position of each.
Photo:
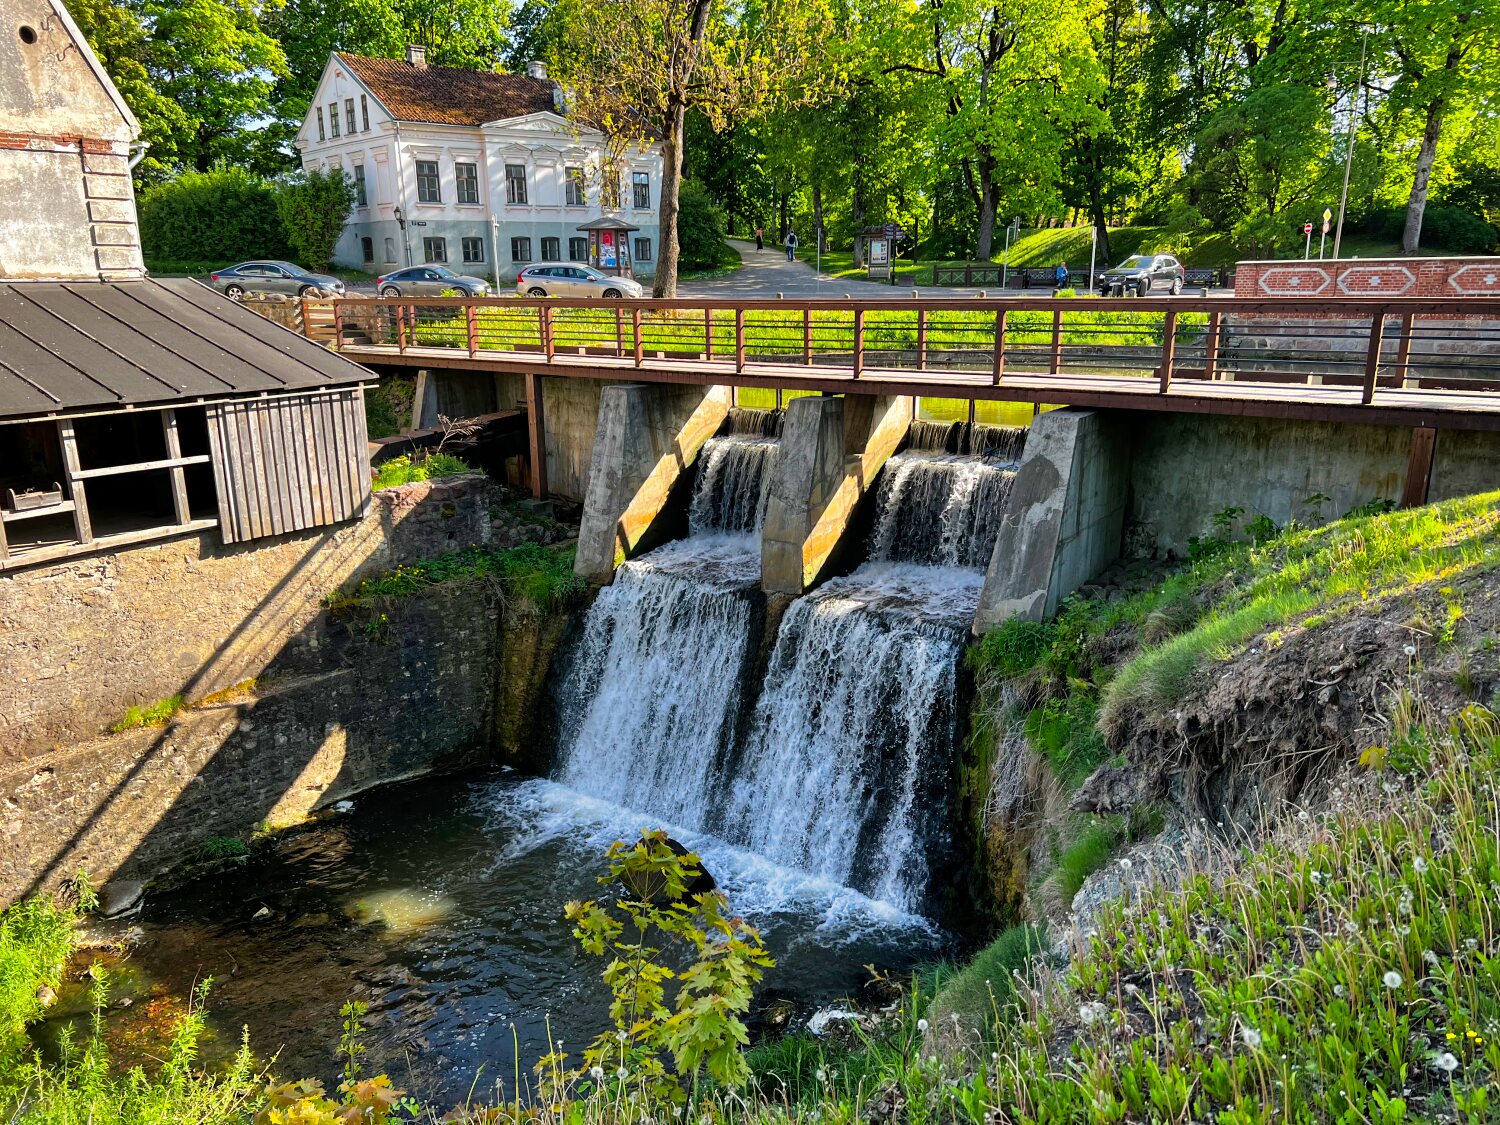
(151, 715)
(541, 576)
(417, 467)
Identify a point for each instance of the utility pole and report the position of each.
(1093, 252)
(1338, 234)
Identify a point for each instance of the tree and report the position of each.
(313, 209)
(635, 70)
(223, 215)
(700, 230)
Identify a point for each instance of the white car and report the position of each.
(570, 279)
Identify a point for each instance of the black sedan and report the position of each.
(272, 277)
(1141, 274)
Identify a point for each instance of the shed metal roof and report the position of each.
(95, 345)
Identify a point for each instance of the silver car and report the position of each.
(574, 280)
(429, 281)
(272, 277)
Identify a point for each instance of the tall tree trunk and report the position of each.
(988, 202)
(671, 190)
(1101, 224)
(1416, 206)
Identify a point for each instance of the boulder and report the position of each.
(120, 896)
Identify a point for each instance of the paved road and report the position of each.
(767, 273)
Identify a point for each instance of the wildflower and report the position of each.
(1092, 1013)
(1430, 957)
(922, 1026)
(819, 1075)
(1250, 1037)
(596, 1072)
(1450, 1037)
(1392, 979)
(1447, 1062)
(1340, 990)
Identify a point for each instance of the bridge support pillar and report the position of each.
(1065, 517)
(647, 437)
(831, 450)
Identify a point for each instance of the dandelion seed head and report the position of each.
(922, 1026)
(1392, 979)
(1419, 865)
(622, 1073)
(1250, 1037)
(1447, 1063)
(596, 1073)
(1410, 650)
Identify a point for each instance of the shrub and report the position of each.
(313, 208)
(221, 216)
(700, 230)
(1446, 228)
(409, 469)
(36, 937)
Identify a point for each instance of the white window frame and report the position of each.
(474, 242)
(517, 245)
(435, 177)
(575, 187)
(640, 181)
(436, 242)
(515, 186)
(459, 180)
(333, 119)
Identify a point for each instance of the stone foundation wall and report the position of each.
(82, 641)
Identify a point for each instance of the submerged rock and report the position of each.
(120, 896)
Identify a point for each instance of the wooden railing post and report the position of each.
(401, 327)
(1372, 356)
(1168, 349)
(998, 371)
(859, 341)
(708, 332)
(619, 333)
(548, 344)
(739, 339)
(635, 327)
(1056, 365)
(921, 339)
(471, 325)
(307, 320)
(1403, 348)
(806, 344)
(1211, 347)
(338, 323)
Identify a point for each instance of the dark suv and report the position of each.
(1142, 273)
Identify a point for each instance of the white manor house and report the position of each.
(479, 171)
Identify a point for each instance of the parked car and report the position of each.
(572, 279)
(1142, 273)
(430, 281)
(272, 277)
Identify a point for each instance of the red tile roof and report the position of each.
(445, 95)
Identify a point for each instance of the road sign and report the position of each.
(1327, 215)
(1307, 228)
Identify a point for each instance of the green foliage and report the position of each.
(152, 715)
(225, 847)
(1016, 646)
(1065, 731)
(388, 407)
(36, 936)
(415, 467)
(224, 215)
(700, 230)
(1449, 228)
(313, 208)
(541, 576)
(700, 1026)
(980, 994)
(1096, 840)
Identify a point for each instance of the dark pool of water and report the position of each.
(440, 905)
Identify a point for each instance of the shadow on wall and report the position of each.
(336, 706)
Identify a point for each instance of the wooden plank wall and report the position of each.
(288, 463)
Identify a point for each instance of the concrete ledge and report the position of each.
(831, 450)
(647, 437)
(1065, 516)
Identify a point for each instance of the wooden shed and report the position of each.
(135, 410)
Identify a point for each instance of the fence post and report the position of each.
(859, 341)
(338, 324)
(635, 327)
(921, 339)
(708, 332)
(1372, 356)
(619, 333)
(471, 324)
(307, 323)
(1056, 364)
(1403, 348)
(739, 339)
(999, 365)
(1168, 349)
(548, 344)
(401, 328)
(1211, 347)
(806, 343)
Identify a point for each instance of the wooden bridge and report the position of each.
(1410, 362)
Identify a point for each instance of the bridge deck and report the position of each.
(1395, 362)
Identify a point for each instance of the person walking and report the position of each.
(791, 245)
(760, 237)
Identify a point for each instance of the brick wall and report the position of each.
(1370, 277)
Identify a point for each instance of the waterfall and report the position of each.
(939, 510)
(651, 700)
(734, 474)
(847, 764)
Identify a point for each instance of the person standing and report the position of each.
(791, 245)
(760, 237)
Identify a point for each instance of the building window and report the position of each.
(360, 195)
(468, 182)
(322, 136)
(435, 249)
(642, 249)
(551, 249)
(349, 115)
(390, 249)
(578, 249)
(609, 189)
(427, 182)
(575, 193)
(515, 184)
(333, 118)
(364, 111)
(473, 249)
(520, 249)
(367, 248)
(640, 183)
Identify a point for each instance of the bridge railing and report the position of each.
(1351, 342)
